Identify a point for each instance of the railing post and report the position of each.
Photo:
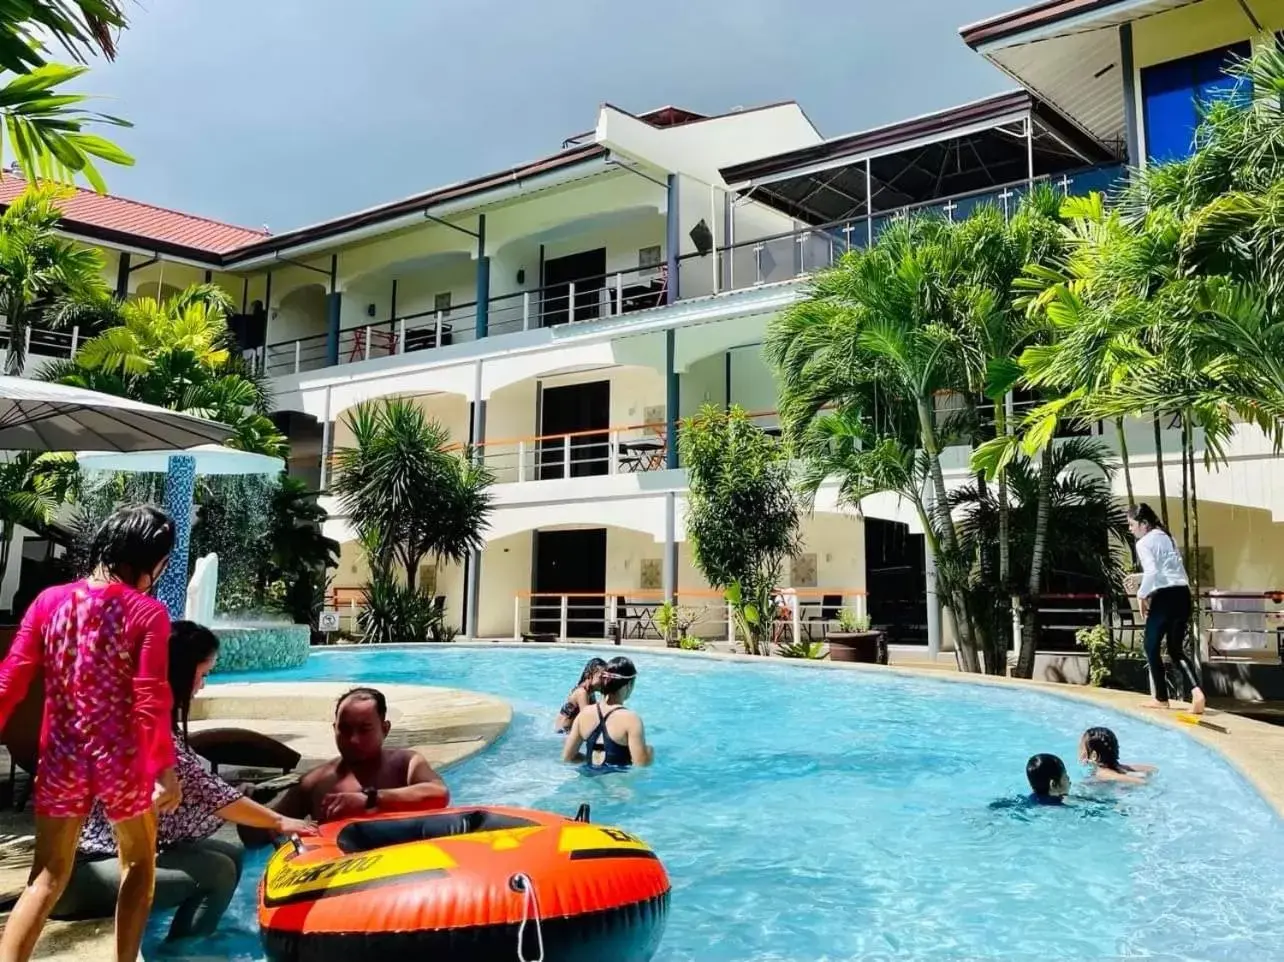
(802, 251)
(731, 626)
(298, 356)
(75, 339)
(1101, 608)
(521, 461)
(619, 293)
(401, 336)
(566, 604)
(526, 310)
(613, 443)
(26, 340)
(757, 263)
(369, 332)
(517, 617)
(566, 456)
(795, 620)
(437, 336)
(862, 606)
(570, 302)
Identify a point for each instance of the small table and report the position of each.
(638, 456)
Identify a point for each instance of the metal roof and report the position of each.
(951, 152)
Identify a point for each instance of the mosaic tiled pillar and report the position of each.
(180, 489)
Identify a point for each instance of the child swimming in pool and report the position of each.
(1048, 779)
(1099, 749)
(612, 737)
(581, 696)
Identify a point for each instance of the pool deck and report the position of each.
(446, 725)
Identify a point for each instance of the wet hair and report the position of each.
(1104, 744)
(190, 644)
(617, 675)
(132, 542)
(364, 694)
(1042, 770)
(591, 668)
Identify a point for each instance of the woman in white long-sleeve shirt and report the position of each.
(1165, 601)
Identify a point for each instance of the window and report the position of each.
(441, 304)
(649, 260)
(1172, 92)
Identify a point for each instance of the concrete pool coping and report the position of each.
(1254, 749)
(447, 725)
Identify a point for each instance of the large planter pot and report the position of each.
(867, 647)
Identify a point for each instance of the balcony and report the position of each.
(740, 266)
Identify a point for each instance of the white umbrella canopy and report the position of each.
(38, 416)
(210, 459)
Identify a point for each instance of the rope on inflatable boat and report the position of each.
(530, 912)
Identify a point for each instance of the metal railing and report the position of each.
(630, 614)
(44, 342)
(789, 255)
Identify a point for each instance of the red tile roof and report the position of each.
(132, 222)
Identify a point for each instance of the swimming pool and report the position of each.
(817, 816)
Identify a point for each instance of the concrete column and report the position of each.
(1127, 71)
(671, 400)
(180, 488)
(673, 239)
(671, 547)
(333, 312)
(122, 276)
(483, 281)
(472, 564)
(327, 435)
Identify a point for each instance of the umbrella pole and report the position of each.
(180, 490)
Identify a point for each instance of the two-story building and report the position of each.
(563, 315)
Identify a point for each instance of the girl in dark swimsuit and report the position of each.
(581, 696)
(612, 736)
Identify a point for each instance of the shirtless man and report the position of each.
(366, 778)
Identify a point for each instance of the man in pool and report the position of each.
(367, 777)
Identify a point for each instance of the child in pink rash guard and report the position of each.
(103, 647)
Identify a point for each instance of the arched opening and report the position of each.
(296, 331)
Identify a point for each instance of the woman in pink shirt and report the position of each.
(103, 646)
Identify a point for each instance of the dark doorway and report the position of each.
(582, 412)
(896, 579)
(567, 561)
(587, 270)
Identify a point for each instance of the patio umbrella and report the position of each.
(37, 416)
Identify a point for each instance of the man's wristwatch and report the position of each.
(372, 798)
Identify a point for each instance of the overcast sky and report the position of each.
(285, 112)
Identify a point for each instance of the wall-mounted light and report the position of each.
(371, 310)
(702, 237)
(521, 275)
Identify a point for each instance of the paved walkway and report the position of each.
(446, 725)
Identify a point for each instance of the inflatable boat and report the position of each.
(476, 884)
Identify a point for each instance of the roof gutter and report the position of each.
(513, 186)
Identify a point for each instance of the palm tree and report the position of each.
(406, 488)
(38, 265)
(47, 129)
(32, 489)
(1078, 504)
(860, 365)
(175, 355)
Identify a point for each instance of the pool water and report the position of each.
(817, 816)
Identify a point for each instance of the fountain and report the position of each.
(248, 641)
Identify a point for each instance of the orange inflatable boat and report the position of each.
(476, 884)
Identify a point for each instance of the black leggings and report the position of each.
(1168, 617)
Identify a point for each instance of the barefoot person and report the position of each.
(196, 874)
(1165, 601)
(103, 646)
(367, 778)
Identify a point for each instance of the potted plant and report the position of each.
(854, 641)
(673, 622)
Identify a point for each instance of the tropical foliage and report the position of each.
(411, 495)
(175, 354)
(40, 272)
(742, 516)
(47, 129)
(32, 488)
